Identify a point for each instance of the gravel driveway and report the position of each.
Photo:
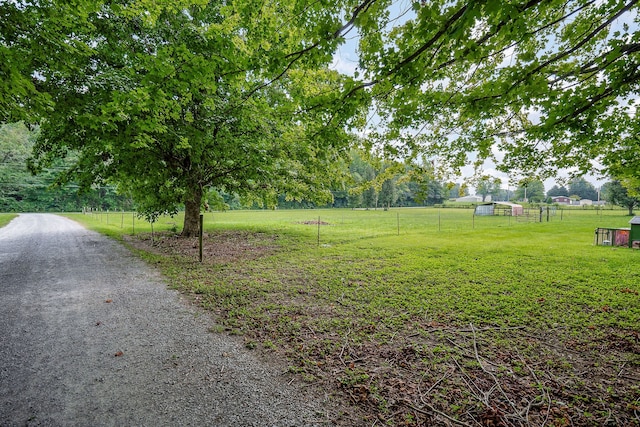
(91, 336)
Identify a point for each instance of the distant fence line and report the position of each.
(401, 219)
(330, 226)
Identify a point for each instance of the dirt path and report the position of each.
(91, 336)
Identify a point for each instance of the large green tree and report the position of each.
(618, 194)
(200, 97)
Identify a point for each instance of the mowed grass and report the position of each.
(5, 218)
(359, 300)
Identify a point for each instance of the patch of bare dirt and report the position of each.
(314, 222)
(219, 247)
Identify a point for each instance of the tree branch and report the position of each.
(574, 48)
(295, 56)
(609, 91)
(446, 27)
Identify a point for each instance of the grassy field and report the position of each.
(423, 316)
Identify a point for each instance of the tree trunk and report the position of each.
(192, 206)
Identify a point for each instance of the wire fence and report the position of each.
(330, 225)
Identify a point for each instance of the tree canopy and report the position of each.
(583, 189)
(615, 193)
(169, 99)
(558, 191)
(531, 190)
(488, 186)
(535, 86)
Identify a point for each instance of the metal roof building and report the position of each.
(499, 208)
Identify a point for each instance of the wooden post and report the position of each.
(200, 235)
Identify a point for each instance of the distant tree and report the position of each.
(583, 189)
(388, 194)
(531, 190)
(616, 193)
(500, 195)
(457, 190)
(405, 191)
(369, 195)
(340, 198)
(425, 187)
(488, 186)
(556, 191)
(363, 174)
(435, 193)
(354, 199)
(16, 183)
(20, 191)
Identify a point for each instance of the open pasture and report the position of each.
(424, 316)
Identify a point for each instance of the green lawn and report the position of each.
(5, 218)
(500, 320)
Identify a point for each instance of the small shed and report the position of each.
(499, 208)
(634, 232)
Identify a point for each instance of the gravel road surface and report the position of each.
(91, 336)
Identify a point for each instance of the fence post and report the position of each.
(200, 235)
